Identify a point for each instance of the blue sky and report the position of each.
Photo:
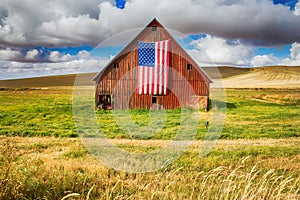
(61, 37)
(289, 3)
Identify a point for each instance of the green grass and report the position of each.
(265, 113)
(250, 114)
(37, 113)
(261, 113)
(141, 118)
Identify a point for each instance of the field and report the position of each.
(266, 77)
(52, 168)
(267, 113)
(256, 157)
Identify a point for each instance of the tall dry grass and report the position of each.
(55, 174)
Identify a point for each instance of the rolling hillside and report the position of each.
(47, 81)
(224, 72)
(266, 77)
(232, 77)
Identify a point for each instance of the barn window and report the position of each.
(154, 28)
(116, 66)
(189, 66)
(154, 100)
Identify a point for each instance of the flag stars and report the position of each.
(146, 53)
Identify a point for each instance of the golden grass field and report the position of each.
(53, 168)
(263, 166)
(267, 77)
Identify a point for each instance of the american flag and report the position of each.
(154, 59)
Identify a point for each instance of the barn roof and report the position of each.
(134, 42)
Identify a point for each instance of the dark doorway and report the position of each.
(105, 102)
(154, 99)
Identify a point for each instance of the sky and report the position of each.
(42, 37)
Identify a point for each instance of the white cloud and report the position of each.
(23, 25)
(270, 60)
(83, 54)
(211, 50)
(290, 62)
(236, 27)
(264, 60)
(35, 55)
(66, 23)
(10, 54)
(20, 70)
(71, 31)
(295, 51)
(32, 54)
(294, 58)
(297, 9)
(56, 56)
(258, 21)
(214, 50)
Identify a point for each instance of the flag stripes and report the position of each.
(154, 60)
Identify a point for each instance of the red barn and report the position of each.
(123, 84)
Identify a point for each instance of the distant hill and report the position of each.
(47, 81)
(266, 77)
(233, 77)
(224, 72)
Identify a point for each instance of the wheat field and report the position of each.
(61, 168)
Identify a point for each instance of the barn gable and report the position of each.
(113, 90)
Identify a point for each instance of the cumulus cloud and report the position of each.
(10, 54)
(49, 23)
(270, 60)
(17, 54)
(211, 50)
(66, 23)
(21, 69)
(235, 28)
(295, 51)
(32, 55)
(294, 58)
(214, 50)
(57, 63)
(39, 55)
(264, 60)
(56, 56)
(83, 54)
(297, 9)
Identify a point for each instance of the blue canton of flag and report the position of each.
(146, 51)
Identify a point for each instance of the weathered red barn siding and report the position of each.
(128, 63)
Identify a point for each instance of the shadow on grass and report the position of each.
(220, 103)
